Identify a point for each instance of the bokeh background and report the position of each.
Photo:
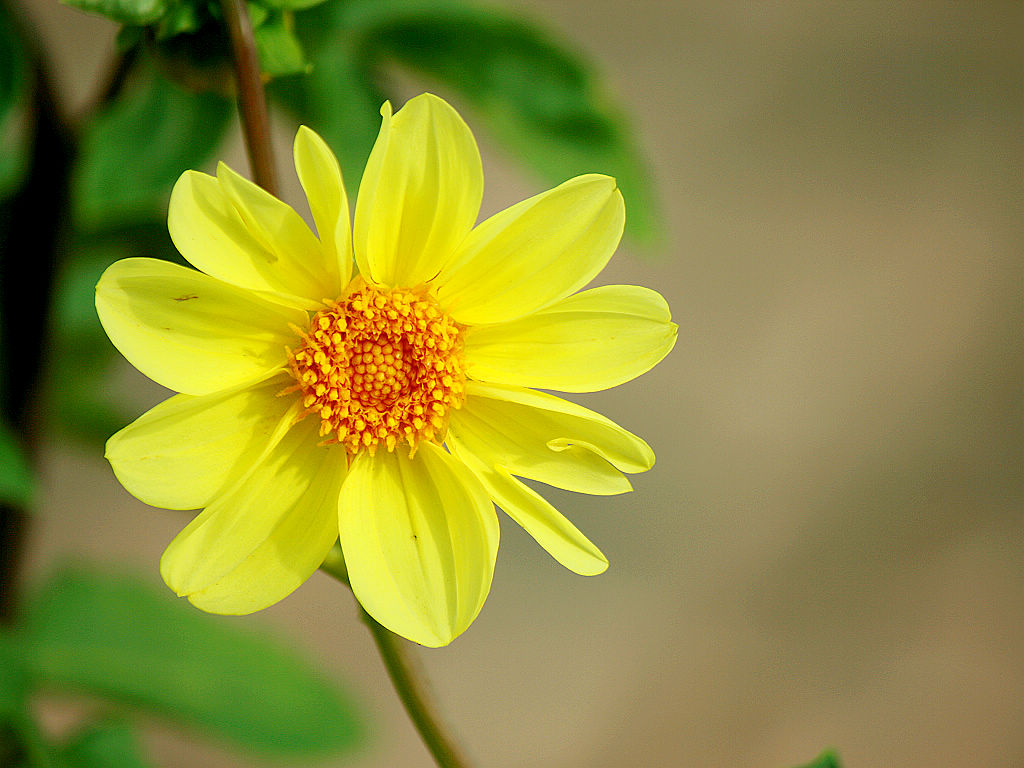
(830, 549)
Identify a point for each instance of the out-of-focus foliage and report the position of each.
(533, 91)
(134, 149)
(15, 78)
(199, 24)
(14, 679)
(827, 759)
(108, 744)
(124, 640)
(16, 484)
(114, 637)
(538, 95)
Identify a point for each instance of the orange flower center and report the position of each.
(380, 366)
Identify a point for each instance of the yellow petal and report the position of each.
(542, 437)
(262, 513)
(320, 176)
(534, 253)
(183, 452)
(420, 193)
(549, 527)
(292, 551)
(587, 342)
(189, 332)
(208, 230)
(300, 262)
(420, 537)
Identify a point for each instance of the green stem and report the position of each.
(252, 101)
(407, 679)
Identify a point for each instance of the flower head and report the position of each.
(375, 382)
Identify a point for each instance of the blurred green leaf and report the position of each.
(532, 90)
(827, 759)
(119, 638)
(339, 97)
(15, 74)
(133, 152)
(14, 677)
(136, 12)
(179, 19)
(16, 482)
(110, 744)
(279, 49)
(290, 5)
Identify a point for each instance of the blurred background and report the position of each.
(830, 549)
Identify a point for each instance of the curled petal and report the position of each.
(190, 332)
(420, 537)
(587, 342)
(542, 437)
(420, 193)
(534, 253)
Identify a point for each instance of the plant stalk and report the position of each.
(407, 678)
(252, 100)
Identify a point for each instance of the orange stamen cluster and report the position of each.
(380, 366)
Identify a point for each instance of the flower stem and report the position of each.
(407, 679)
(252, 101)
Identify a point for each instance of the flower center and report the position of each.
(380, 366)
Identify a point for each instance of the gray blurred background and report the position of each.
(829, 549)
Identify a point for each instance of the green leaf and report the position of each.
(180, 19)
(15, 75)
(279, 49)
(17, 485)
(14, 677)
(535, 92)
(132, 153)
(110, 744)
(291, 5)
(827, 759)
(134, 12)
(117, 637)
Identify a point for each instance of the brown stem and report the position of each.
(252, 101)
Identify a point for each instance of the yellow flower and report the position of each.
(388, 400)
